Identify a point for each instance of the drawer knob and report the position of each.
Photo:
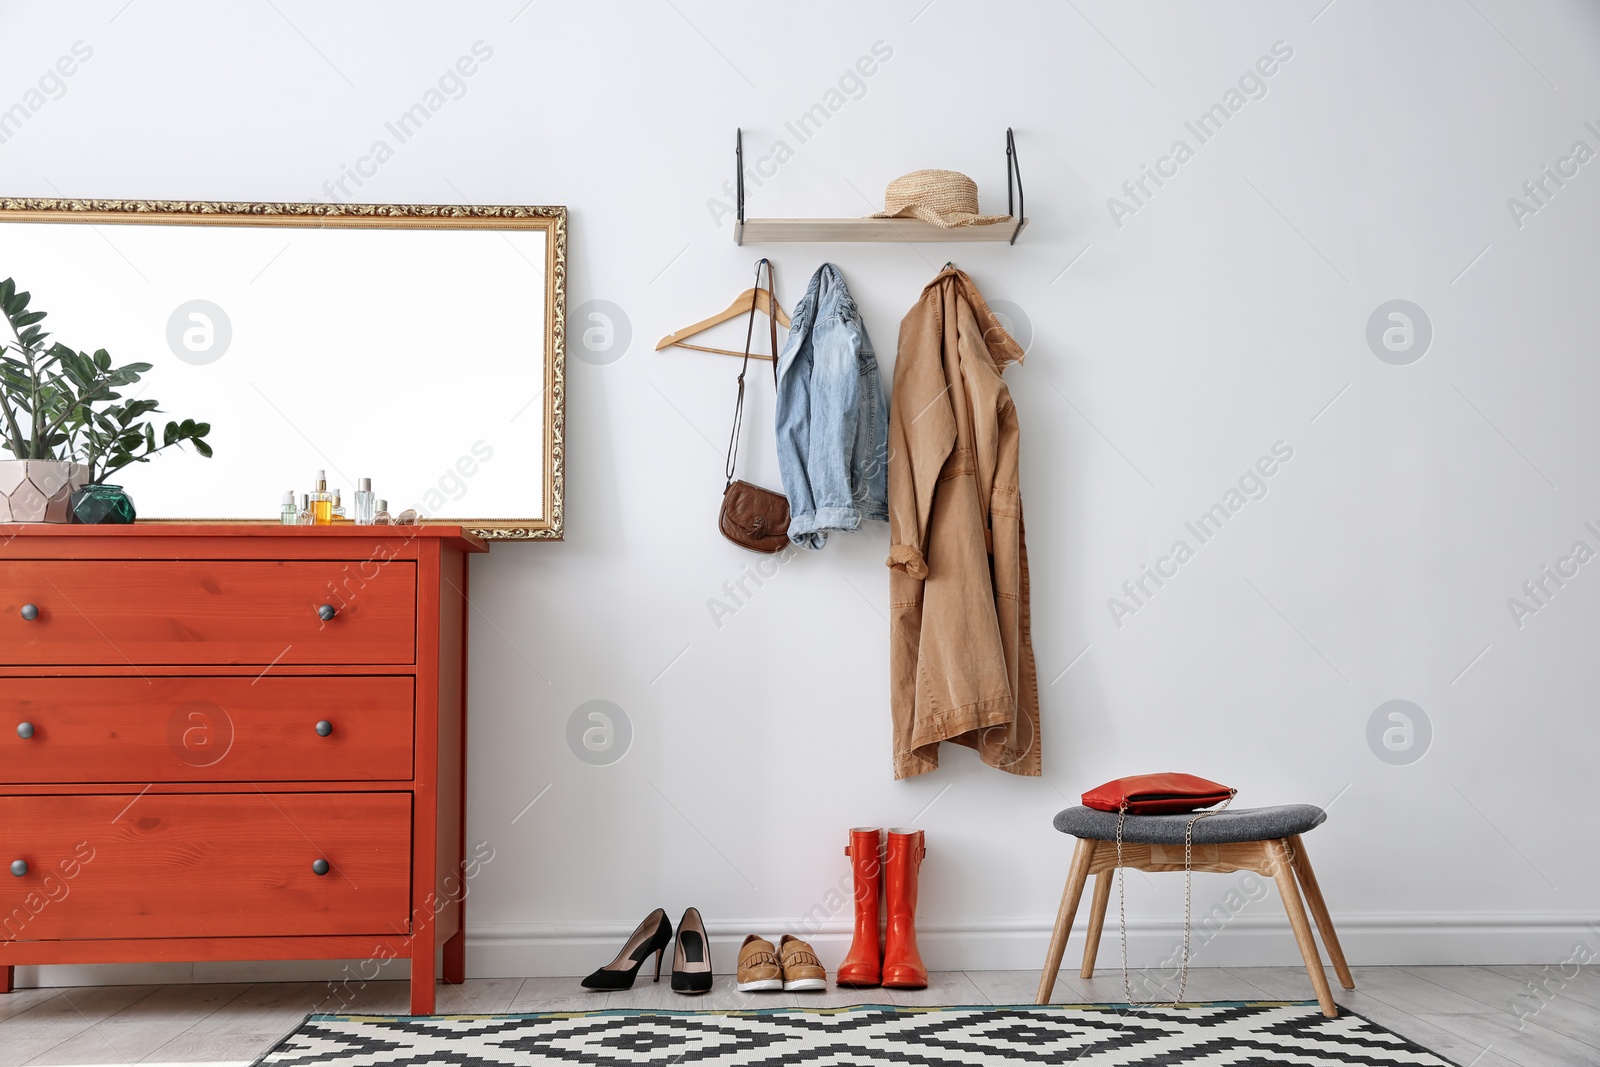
(327, 612)
(24, 730)
(324, 728)
(318, 867)
(31, 612)
(19, 867)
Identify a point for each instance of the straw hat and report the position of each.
(945, 198)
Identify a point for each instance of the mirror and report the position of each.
(421, 346)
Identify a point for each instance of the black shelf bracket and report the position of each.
(1013, 174)
(738, 183)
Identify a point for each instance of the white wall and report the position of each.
(1226, 313)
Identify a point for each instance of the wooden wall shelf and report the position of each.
(758, 231)
(879, 231)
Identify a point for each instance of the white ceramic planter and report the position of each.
(38, 490)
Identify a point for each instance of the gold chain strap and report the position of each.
(1188, 901)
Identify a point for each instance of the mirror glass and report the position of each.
(411, 351)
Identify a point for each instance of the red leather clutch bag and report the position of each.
(1157, 794)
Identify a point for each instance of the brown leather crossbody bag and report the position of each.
(753, 517)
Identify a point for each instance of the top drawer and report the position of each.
(206, 612)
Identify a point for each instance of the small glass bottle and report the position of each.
(307, 517)
(380, 516)
(322, 502)
(338, 514)
(290, 515)
(364, 503)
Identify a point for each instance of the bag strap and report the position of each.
(1188, 902)
(749, 334)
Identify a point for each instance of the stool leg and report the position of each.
(1076, 876)
(1319, 911)
(1283, 872)
(1097, 921)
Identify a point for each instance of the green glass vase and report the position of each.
(102, 505)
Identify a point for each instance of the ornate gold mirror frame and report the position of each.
(551, 220)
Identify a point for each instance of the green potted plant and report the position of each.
(68, 426)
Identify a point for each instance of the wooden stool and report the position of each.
(1263, 840)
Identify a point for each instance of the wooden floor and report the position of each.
(1476, 1016)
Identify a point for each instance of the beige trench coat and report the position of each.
(961, 654)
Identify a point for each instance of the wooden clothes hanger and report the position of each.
(739, 308)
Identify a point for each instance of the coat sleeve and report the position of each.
(922, 431)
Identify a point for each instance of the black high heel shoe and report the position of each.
(691, 960)
(652, 935)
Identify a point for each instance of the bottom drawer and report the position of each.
(204, 865)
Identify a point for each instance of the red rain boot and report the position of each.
(902, 963)
(862, 967)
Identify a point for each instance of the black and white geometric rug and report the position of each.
(1205, 1035)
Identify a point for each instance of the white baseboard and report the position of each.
(553, 949)
(511, 950)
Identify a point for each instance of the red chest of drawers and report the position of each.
(233, 742)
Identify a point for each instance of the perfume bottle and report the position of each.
(338, 508)
(307, 517)
(380, 515)
(363, 503)
(290, 516)
(322, 502)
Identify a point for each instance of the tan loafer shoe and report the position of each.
(759, 969)
(802, 970)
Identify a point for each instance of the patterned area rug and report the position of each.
(1212, 1035)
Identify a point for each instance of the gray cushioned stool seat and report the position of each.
(1231, 824)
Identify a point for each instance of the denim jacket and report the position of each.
(832, 416)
